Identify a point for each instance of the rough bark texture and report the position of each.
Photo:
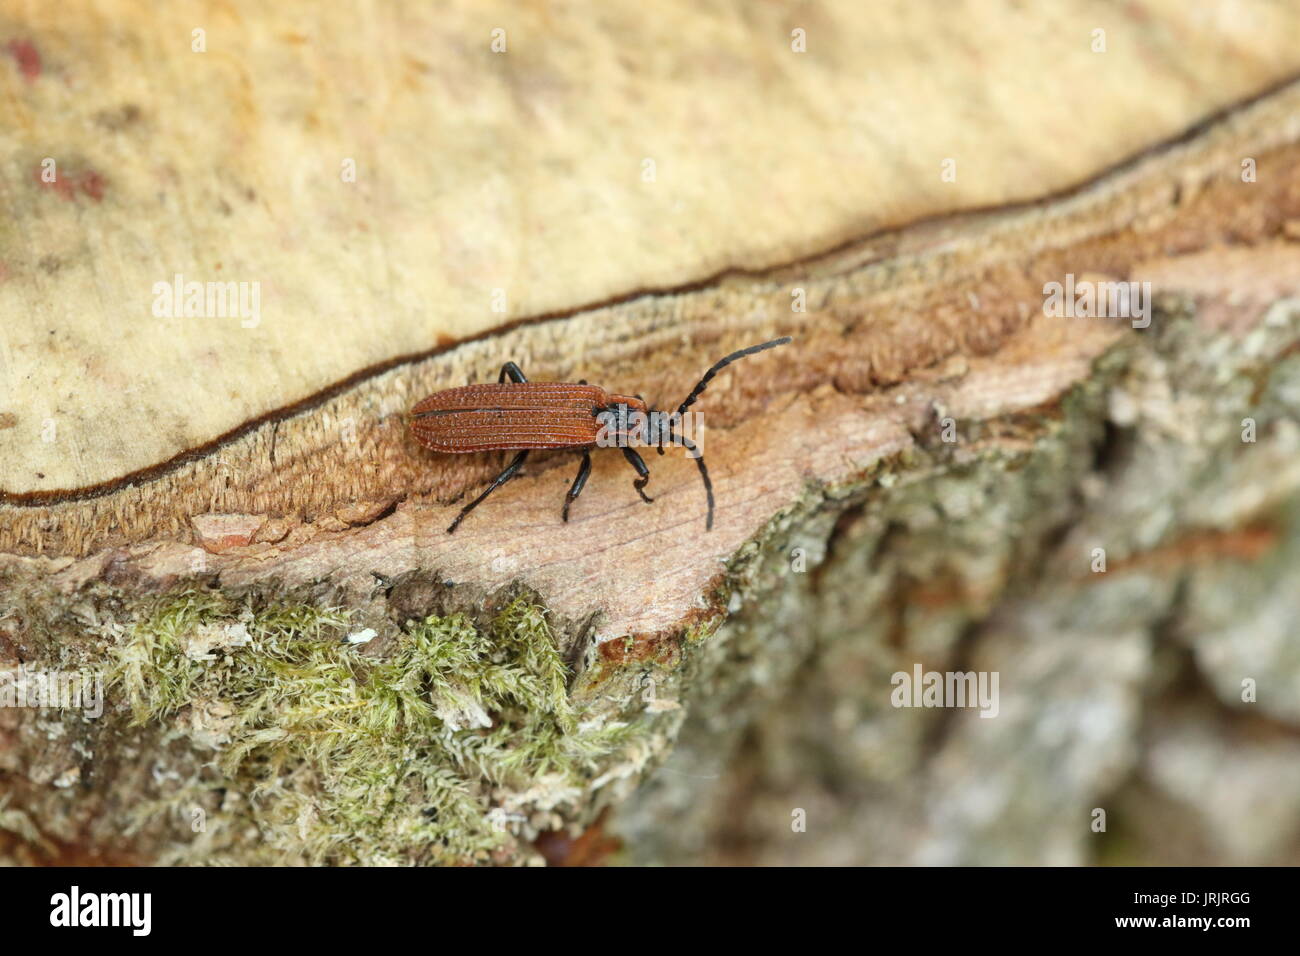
(301, 666)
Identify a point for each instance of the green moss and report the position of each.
(441, 752)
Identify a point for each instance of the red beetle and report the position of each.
(524, 415)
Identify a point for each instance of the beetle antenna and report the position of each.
(704, 474)
(674, 438)
(723, 363)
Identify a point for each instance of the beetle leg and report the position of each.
(672, 438)
(580, 482)
(497, 482)
(513, 372)
(660, 447)
(635, 461)
(690, 446)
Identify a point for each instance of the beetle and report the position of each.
(519, 415)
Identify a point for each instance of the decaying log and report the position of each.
(225, 519)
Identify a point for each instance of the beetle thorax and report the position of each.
(627, 421)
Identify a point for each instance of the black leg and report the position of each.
(578, 483)
(497, 482)
(513, 372)
(704, 476)
(635, 461)
(671, 437)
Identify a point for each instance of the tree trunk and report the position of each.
(212, 510)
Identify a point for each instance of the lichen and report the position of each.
(445, 751)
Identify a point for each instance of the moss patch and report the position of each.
(446, 751)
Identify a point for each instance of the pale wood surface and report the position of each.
(520, 171)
